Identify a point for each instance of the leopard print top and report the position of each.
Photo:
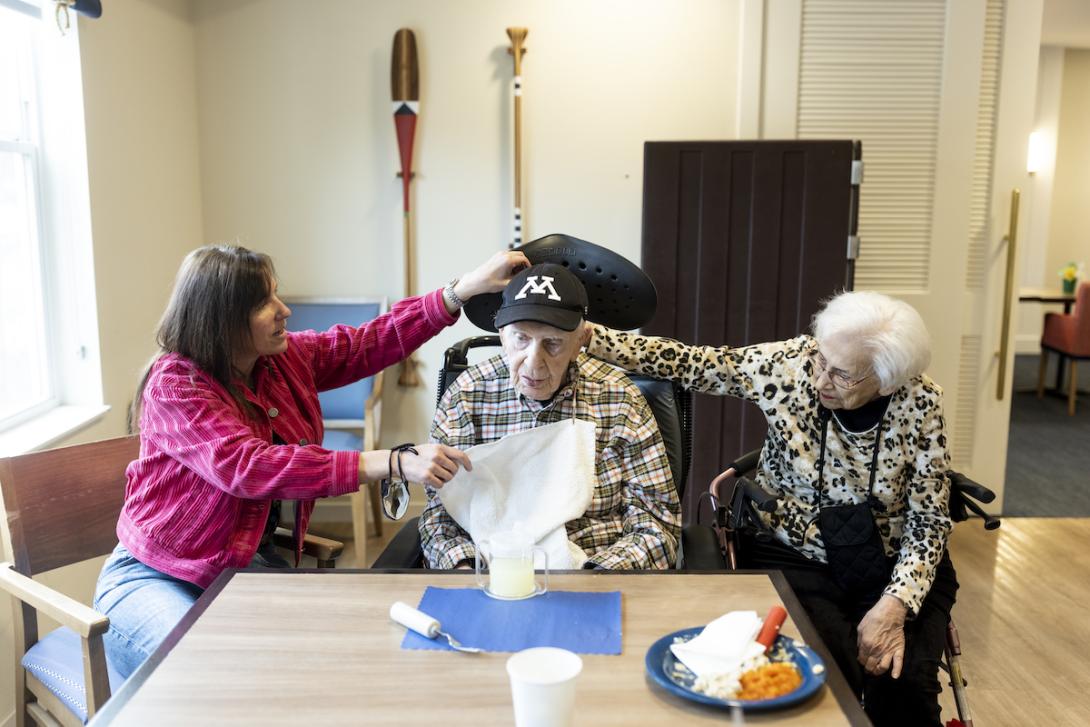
(911, 485)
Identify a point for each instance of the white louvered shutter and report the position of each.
(873, 71)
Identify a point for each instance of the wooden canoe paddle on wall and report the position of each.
(405, 91)
(518, 37)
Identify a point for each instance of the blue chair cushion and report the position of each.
(57, 662)
(342, 439)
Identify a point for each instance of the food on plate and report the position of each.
(757, 678)
(769, 681)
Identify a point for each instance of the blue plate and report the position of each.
(675, 677)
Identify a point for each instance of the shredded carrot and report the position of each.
(770, 680)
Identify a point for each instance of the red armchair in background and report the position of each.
(1068, 334)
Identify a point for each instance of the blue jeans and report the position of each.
(143, 605)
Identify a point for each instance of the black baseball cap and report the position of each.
(545, 293)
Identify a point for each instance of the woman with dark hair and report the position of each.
(229, 422)
(856, 453)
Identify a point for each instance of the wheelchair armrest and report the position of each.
(746, 463)
(764, 500)
(963, 496)
(969, 488)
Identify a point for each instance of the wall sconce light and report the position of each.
(1037, 157)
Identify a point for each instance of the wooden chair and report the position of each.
(352, 414)
(61, 508)
(1068, 334)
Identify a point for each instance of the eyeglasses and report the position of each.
(838, 377)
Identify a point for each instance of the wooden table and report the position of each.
(1050, 295)
(1046, 295)
(317, 647)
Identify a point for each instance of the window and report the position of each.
(50, 381)
(27, 384)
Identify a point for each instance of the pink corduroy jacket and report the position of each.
(198, 498)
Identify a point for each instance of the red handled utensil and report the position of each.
(770, 629)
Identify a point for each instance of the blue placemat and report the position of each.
(586, 623)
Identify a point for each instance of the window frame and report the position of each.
(56, 162)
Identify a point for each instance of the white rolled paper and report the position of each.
(414, 619)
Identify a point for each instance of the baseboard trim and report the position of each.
(1027, 344)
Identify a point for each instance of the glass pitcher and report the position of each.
(509, 559)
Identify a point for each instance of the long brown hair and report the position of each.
(208, 317)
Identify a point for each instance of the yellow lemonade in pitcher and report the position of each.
(511, 577)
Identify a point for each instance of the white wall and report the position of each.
(139, 88)
(299, 156)
(1034, 250)
(1061, 191)
(140, 98)
(1069, 231)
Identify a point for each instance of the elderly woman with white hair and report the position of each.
(856, 452)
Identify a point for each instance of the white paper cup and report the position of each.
(543, 686)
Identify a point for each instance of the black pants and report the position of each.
(912, 699)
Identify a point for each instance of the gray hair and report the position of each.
(890, 331)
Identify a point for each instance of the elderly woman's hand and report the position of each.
(492, 276)
(881, 637)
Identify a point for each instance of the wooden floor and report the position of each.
(1022, 615)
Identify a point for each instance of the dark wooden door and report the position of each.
(743, 240)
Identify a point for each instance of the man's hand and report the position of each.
(493, 275)
(881, 637)
(436, 464)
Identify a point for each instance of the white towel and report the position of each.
(535, 481)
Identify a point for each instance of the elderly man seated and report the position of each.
(543, 378)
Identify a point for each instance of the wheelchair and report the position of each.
(621, 296)
(738, 512)
(670, 404)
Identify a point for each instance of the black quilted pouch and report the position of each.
(853, 548)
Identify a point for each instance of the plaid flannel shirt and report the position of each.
(634, 516)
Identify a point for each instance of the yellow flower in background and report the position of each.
(1071, 271)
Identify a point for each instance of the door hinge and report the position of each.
(857, 172)
(853, 247)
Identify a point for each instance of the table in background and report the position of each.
(1046, 295)
(317, 647)
(1050, 295)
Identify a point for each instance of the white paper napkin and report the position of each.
(537, 480)
(723, 645)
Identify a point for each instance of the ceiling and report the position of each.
(1066, 23)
